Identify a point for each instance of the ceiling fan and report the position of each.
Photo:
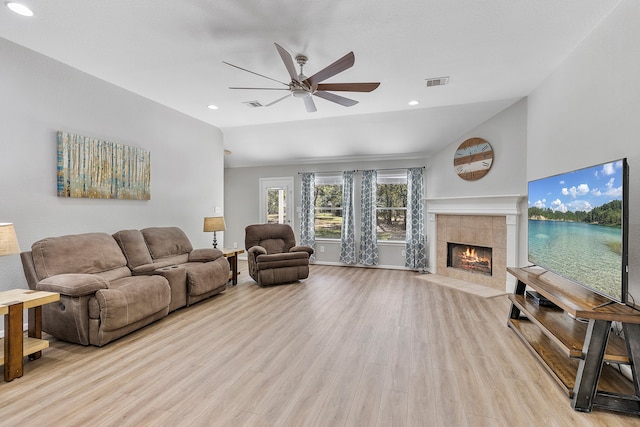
(303, 87)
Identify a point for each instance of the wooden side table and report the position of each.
(232, 256)
(14, 346)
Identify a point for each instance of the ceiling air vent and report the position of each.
(252, 104)
(438, 81)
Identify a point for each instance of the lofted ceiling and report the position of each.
(494, 52)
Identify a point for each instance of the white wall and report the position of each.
(588, 110)
(38, 97)
(507, 134)
(242, 203)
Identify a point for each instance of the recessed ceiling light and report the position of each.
(414, 102)
(212, 107)
(18, 8)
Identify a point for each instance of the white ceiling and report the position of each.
(495, 52)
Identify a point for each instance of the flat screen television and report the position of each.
(578, 226)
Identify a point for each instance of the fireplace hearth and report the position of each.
(471, 258)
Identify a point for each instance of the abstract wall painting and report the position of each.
(97, 169)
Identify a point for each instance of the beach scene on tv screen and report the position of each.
(575, 226)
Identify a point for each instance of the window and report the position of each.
(391, 205)
(276, 207)
(328, 207)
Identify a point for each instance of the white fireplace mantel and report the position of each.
(506, 205)
(475, 205)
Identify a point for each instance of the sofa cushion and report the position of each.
(274, 246)
(166, 241)
(133, 247)
(204, 277)
(131, 299)
(88, 253)
(115, 274)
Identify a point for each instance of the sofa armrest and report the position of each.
(204, 255)
(254, 251)
(307, 249)
(73, 285)
(29, 269)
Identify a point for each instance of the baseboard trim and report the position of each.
(340, 264)
(384, 267)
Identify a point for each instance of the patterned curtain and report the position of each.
(415, 246)
(368, 236)
(347, 236)
(307, 214)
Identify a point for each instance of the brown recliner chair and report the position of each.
(273, 256)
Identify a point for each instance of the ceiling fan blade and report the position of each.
(349, 87)
(310, 105)
(288, 62)
(253, 72)
(336, 98)
(277, 100)
(340, 65)
(260, 88)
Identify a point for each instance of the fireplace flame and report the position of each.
(470, 254)
(472, 258)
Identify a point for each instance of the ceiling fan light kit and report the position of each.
(303, 87)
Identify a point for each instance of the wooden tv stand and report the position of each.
(573, 340)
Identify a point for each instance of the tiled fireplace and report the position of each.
(474, 239)
(473, 230)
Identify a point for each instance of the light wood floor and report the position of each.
(347, 347)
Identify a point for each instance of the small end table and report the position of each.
(232, 256)
(14, 346)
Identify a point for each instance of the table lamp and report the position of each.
(8, 240)
(214, 223)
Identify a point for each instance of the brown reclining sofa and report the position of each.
(112, 285)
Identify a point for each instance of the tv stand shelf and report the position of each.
(567, 333)
(573, 342)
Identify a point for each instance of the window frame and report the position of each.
(397, 177)
(328, 180)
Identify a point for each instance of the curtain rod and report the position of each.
(352, 170)
(360, 170)
(390, 169)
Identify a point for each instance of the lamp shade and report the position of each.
(8, 240)
(214, 223)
